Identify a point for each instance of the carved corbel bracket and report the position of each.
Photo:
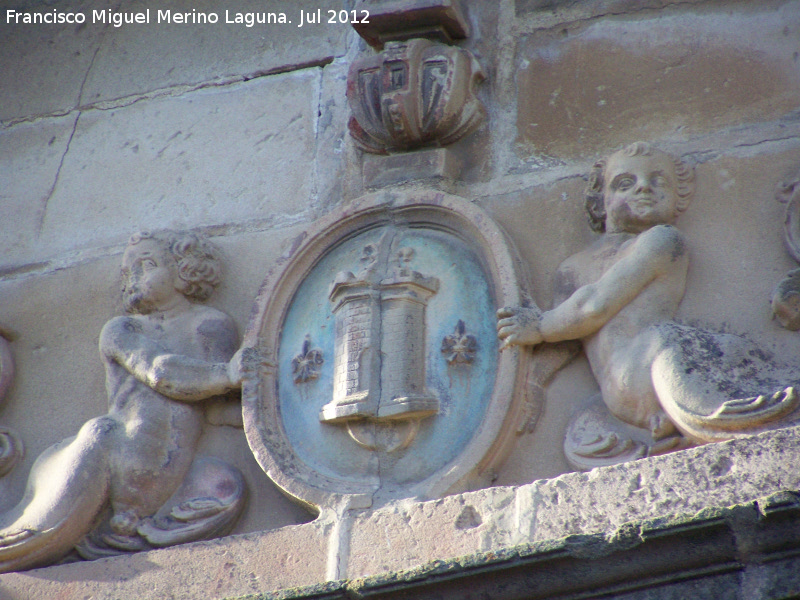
(413, 94)
(417, 95)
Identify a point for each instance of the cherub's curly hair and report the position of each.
(595, 200)
(197, 258)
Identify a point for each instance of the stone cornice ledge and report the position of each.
(719, 521)
(749, 551)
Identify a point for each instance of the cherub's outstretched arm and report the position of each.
(176, 376)
(591, 306)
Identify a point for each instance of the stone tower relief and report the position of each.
(379, 368)
(131, 480)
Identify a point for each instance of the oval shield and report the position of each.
(380, 372)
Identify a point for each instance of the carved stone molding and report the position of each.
(393, 20)
(413, 94)
(418, 432)
(307, 364)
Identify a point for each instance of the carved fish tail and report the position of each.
(67, 488)
(25, 547)
(744, 412)
(208, 504)
(738, 417)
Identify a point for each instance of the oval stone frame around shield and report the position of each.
(381, 376)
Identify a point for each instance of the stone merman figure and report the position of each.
(676, 385)
(134, 470)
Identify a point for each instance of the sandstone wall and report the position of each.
(241, 133)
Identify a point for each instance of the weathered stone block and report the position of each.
(431, 165)
(31, 157)
(150, 166)
(410, 534)
(68, 66)
(49, 63)
(441, 20)
(229, 568)
(405, 535)
(333, 153)
(682, 76)
(737, 278)
(140, 59)
(681, 483)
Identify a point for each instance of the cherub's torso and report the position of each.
(620, 352)
(200, 332)
(155, 433)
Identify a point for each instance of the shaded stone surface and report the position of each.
(430, 166)
(714, 514)
(71, 66)
(171, 162)
(675, 73)
(31, 156)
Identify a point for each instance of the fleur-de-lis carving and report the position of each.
(402, 262)
(307, 365)
(459, 347)
(404, 256)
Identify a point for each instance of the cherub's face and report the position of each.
(640, 192)
(149, 277)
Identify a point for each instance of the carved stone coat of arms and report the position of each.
(381, 376)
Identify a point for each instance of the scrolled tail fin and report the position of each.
(739, 417)
(746, 412)
(26, 548)
(602, 450)
(207, 505)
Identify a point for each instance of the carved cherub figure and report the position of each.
(665, 385)
(134, 471)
